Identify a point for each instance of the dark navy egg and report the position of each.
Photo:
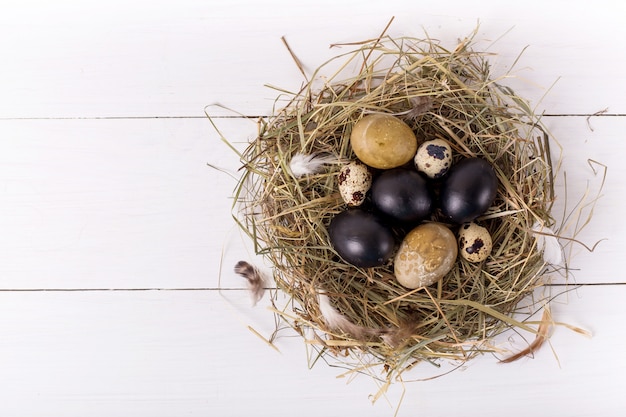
(402, 194)
(360, 238)
(468, 190)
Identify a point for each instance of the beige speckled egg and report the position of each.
(355, 180)
(475, 242)
(383, 141)
(426, 255)
(433, 158)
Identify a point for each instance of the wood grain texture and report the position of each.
(163, 353)
(117, 295)
(144, 59)
(147, 203)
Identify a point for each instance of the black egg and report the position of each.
(402, 194)
(360, 238)
(469, 190)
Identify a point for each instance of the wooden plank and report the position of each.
(119, 58)
(163, 353)
(588, 189)
(133, 204)
(113, 204)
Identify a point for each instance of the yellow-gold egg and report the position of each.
(426, 255)
(383, 141)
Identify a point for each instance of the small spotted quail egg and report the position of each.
(475, 242)
(355, 180)
(433, 158)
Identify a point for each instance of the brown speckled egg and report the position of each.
(355, 180)
(475, 242)
(383, 141)
(426, 255)
(433, 158)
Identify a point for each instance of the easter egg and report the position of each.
(469, 190)
(360, 238)
(402, 194)
(383, 141)
(426, 255)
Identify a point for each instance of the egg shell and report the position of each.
(354, 181)
(427, 254)
(361, 238)
(433, 158)
(383, 141)
(468, 190)
(402, 194)
(475, 243)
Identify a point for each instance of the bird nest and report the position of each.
(288, 193)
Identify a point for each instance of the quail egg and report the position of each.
(475, 242)
(354, 180)
(433, 158)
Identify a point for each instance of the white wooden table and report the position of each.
(117, 296)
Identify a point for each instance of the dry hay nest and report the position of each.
(345, 310)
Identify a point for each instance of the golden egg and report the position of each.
(383, 141)
(426, 255)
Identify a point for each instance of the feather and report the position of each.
(543, 333)
(548, 244)
(256, 280)
(338, 322)
(396, 337)
(302, 164)
(420, 106)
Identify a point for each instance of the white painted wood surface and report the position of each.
(116, 243)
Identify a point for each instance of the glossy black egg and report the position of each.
(360, 238)
(469, 190)
(402, 194)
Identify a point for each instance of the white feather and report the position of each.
(548, 244)
(338, 322)
(303, 164)
(332, 317)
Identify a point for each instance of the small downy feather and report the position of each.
(420, 106)
(395, 337)
(548, 244)
(338, 322)
(303, 164)
(256, 280)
